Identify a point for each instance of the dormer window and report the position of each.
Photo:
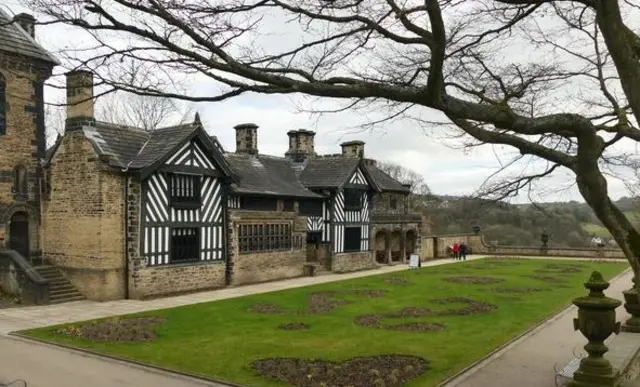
(185, 190)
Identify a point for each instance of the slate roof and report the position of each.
(161, 142)
(266, 175)
(15, 40)
(327, 172)
(118, 145)
(131, 148)
(384, 181)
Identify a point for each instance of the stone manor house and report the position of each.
(112, 212)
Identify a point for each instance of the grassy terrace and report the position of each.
(440, 319)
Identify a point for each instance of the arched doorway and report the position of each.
(396, 246)
(19, 233)
(411, 242)
(382, 246)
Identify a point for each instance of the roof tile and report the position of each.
(15, 40)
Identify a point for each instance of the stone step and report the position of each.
(64, 294)
(67, 299)
(62, 289)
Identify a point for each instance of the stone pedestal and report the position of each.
(632, 306)
(596, 321)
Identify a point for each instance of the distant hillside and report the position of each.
(569, 224)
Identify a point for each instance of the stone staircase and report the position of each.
(60, 289)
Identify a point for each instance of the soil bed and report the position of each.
(517, 290)
(473, 307)
(397, 280)
(127, 330)
(266, 309)
(374, 371)
(325, 302)
(293, 327)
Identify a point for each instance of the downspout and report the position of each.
(126, 222)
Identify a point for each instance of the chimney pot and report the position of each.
(79, 99)
(247, 138)
(27, 22)
(353, 149)
(301, 145)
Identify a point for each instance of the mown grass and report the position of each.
(601, 231)
(221, 339)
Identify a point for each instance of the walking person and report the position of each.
(456, 251)
(463, 251)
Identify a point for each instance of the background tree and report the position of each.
(141, 111)
(420, 191)
(572, 105)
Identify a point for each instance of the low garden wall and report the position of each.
(435, 246)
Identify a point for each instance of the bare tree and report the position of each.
(141, 111)
(556, 81)
(406, 176)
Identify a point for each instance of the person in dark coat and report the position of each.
(463, 250)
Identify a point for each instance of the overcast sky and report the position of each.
(446, 170)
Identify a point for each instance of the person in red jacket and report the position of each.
(456, 250)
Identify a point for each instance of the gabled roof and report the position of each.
(332, 172)
(15, 40)
(133, 149)
(384, 181)
(327, 171)
(265, 175)
(117, 145)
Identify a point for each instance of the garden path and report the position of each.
(13, 319)
(530, 360)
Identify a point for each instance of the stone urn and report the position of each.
(632, 306)
(476, 229)
(596, 321)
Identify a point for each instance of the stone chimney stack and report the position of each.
(247, 138)
(300, 145)
(79, 99)
(353, 149)
(27, 22)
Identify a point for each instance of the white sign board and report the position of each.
(414, 261)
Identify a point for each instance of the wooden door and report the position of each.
(19, 234)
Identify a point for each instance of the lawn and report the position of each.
(441, 318)
(601, 231)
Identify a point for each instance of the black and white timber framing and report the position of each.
(189, 173)
(344, 221)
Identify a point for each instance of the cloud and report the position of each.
(447, 170)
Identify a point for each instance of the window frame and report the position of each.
(191, 201)
(192, 243)
(351, 249)
(350, 205)
(265, 237)
(310, 207)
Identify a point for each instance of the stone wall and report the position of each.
(22, 144)
(435, 247)
(154, 281)
(348, 262)
(83, 220)
(390, 236)
(174, 279)
(382, 201)
(271, 265)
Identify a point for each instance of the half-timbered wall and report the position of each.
(343, 218)
(164, 222)
(234, 201)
